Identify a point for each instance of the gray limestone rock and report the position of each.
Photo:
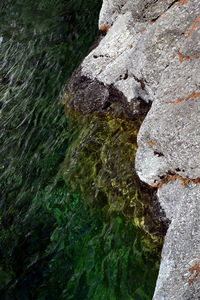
(141, 10)
(181, 249)
(151, 53)
(172, 126)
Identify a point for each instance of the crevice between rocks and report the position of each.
(155, 19)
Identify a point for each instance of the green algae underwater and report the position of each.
(70, 207)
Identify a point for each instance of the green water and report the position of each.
(53, 245)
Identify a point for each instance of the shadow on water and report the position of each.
(52, 245)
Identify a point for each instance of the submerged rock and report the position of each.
(149, 52)
(99, 164)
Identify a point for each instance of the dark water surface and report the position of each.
(52, 245)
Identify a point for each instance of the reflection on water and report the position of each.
(52, 246)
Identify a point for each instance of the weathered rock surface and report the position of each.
(150, 52)
(181, 250)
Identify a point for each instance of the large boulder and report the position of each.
(149, 52)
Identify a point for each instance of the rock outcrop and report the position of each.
(149, 52)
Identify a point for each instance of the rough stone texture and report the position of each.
(181, 249)
(172, 126)
(99, 98)
(150, 52)
(145, 10)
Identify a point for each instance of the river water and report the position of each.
(52, 244)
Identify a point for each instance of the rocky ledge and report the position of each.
(147, 58)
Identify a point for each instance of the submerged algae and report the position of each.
(100, 165)
(49, 239)
(95, 257)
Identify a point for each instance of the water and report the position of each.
(53, 245)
